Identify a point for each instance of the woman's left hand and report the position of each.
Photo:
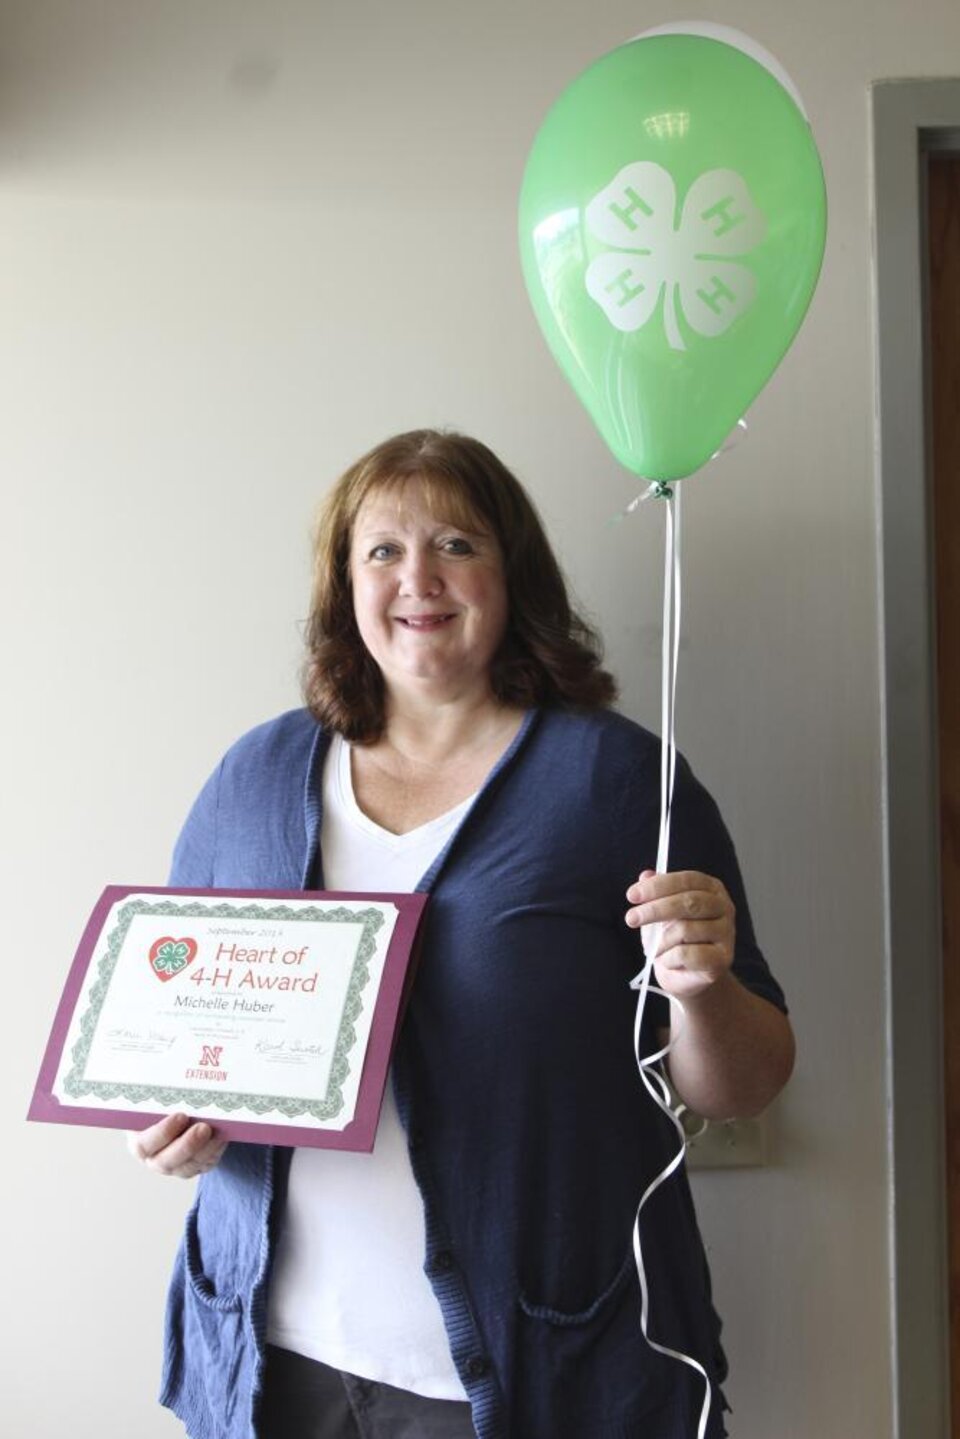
(697, 919)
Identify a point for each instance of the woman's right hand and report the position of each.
(177, 1146)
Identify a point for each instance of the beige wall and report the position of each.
(239, 242)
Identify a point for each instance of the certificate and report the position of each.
(270, 1014)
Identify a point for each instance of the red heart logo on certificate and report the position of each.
(169, 956)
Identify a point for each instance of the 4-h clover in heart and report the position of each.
(169, 956)
(672, 221)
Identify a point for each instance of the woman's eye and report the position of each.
(382, 552)
(457, 545)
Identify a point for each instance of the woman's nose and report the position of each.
(421, 574)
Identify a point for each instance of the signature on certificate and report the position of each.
(150, 1041)
(290, 1051)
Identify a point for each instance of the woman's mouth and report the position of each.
(422, 622)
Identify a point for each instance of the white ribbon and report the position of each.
(651, 1076)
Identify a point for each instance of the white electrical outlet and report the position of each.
(725, 1143)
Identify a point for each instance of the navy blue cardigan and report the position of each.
(530, 1135)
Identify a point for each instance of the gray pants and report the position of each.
(306, 1400)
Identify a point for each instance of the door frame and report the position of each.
(910, 118)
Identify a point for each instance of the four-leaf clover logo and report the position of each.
(651, 254)
(168, 956)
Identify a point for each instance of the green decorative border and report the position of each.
(327, 1108)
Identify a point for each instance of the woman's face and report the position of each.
(430, 597)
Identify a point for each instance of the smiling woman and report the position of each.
(473, 1276)
(430, 600)
(480, 515)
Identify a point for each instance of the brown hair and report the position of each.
(548, 656)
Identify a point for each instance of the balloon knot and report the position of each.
(661, 490)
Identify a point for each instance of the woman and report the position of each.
(475, 1275)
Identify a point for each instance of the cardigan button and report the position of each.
(477, 1367)
(441, 1262)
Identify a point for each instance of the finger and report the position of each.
(705, 959)
(180, 1157)
(690, 904)
(682, 983)
(203, 1161)
(651, 885)
(717, 933)
(144, 1143)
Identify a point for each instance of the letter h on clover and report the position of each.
(691, 263)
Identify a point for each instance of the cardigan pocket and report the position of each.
(209, 1382)
(200, 1283)
(571, 1318)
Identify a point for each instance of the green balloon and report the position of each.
(672, 221)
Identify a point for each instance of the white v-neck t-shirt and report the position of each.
(347, 1286)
